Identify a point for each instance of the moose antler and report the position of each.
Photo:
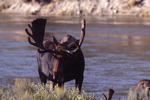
(37, 28)
(82, 34)
(38, 31)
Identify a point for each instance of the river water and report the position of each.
(117, 51)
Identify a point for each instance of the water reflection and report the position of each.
(117, 52)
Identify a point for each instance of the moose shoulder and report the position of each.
(58, 61)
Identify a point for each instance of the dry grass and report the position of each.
(25, 90)
(141, 94)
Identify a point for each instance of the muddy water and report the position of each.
(117, 51)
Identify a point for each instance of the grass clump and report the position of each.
(141, 94)
(26, 90)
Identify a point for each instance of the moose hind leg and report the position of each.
(78, 83)
(61, 85)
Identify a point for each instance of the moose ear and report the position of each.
(55, 40)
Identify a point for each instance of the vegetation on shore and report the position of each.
(25, 90)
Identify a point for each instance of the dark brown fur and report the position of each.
(61, 68)
(58, 61)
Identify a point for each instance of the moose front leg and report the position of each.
(52, 85)
(43, 78)
(61, 82)
(61, 85)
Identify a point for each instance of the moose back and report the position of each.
(58, 61)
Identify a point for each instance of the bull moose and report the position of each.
(58, 61)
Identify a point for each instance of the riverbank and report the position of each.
(74, 7)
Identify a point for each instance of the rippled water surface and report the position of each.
(117, 51)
